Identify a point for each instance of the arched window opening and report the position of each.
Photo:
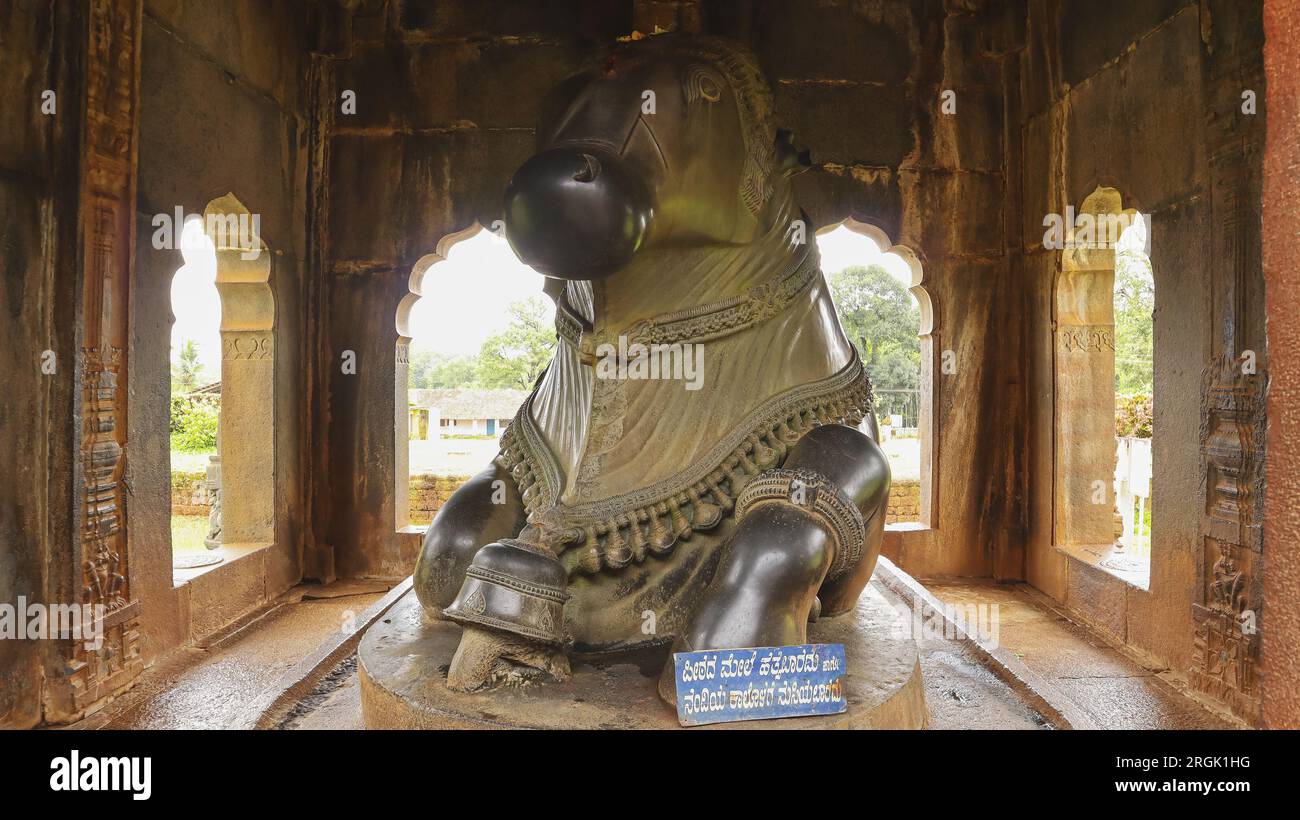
(473, 335)
(223, 388)
(1105, 368)
(1134, 295)
(886, 314)
(195, 394)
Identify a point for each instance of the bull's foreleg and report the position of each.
(808, 537)
(486, 508)
(476, 528)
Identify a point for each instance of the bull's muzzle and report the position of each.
(577, 212)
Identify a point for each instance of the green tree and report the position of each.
(1135, 303)
(882, 319)
(187, 372)
(195, 422)
(515, 356)
(431, 370)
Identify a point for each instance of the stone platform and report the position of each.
(403, 668)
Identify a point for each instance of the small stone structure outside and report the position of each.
(904, 502)
(189, 492)
(429, 492)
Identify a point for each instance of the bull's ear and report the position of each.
(790, 159)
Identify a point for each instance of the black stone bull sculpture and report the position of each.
(724, 510)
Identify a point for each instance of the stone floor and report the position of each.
(960, 692)
(194, 688)
(207, 688)
(1115, 690)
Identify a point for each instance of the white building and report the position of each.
(462, 411)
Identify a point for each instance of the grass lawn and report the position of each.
(188, 532)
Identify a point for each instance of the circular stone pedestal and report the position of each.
(403, 670)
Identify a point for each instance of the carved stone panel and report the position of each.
(95, 669)
(1227, 613)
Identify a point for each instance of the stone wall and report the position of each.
(904, 502)
(189, 492)
(1145, 98)
(428, 493)
(1054, 98)
(39, 303)
(1280, 653)
(222, 111)
(447, 95)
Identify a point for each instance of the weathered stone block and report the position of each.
(1094, 32)
(1136, 125)
(578, 19)
(416, 188)
(1040, 188)
(251, 39)
(27, 74)
(487, 84)
(202, 135)
(1040, 70)
(832, 193)
(965, 45)
(970, 139)
(848, 124)
(861, 42)
(1099, 597)
(970, 205)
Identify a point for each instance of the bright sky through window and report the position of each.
(842, 248)
(196, 304)
(466, 296)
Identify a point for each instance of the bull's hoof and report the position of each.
(486, 659)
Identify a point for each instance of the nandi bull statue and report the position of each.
(625, 511)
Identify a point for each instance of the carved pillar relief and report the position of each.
(93, 670)
(1227, 614)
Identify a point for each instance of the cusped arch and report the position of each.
(926, 428)
(886, 245)
(1084, 365)
(415, 283)
(243, 265)
(402, 368)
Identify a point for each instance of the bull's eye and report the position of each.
(702, 84)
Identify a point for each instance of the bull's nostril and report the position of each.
(577, 214)
(589, 171)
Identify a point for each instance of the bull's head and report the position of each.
(664, 141)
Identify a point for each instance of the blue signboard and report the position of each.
(722, 685)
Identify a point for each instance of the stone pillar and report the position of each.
(246, 431)
(1085, 388)
(95, 570)
(213, 539)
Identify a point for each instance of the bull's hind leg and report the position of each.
(486, 508)
(813, 527)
